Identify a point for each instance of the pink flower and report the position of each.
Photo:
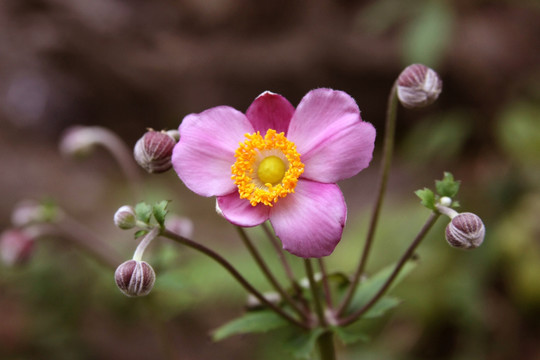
(279, 164)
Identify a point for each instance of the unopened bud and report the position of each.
(418, 86)
(153, 151)
(135, 278)
(16, 246)
(125, 217)
(78, 140)
(253, 303)
(465, 231)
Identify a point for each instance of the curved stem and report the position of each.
(267, 273)
(144, 244)
(314, 294)
(326, 285)
(232, 270)
(388, 146)
(402, 261)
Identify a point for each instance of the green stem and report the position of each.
(325, 343)
(232, 270)
(388, 146)
(402, 261)
(314, 293)
(267, 273)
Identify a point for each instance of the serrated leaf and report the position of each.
(143, 211)
(254, 322)
(160, 211)
(447, 186)
(301, 343)
(350, 335)
(368, 288)
(427, 198)
(140, 233)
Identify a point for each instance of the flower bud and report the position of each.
(16, 246)
(78, 141)
(135, 278)
(418, 86)
(465, 231)
(153, 151)
(125, 217)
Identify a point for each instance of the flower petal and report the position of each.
(240, 212)
(205, 153)
(332, 139)
(310, 221)
(270, 111)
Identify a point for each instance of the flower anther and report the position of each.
(266, 169)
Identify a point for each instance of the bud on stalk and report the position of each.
(125, 218)
(465, 231)
(418, 86)
(153, 151)
(135, 278)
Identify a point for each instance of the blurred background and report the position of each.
(130, 65)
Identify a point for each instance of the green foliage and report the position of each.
(143, 211)
(140, 233)
(427, 198)
(253, 322)
(351, 334)
(160, 211)
(368, 288)
(301, 344)
(447, 186)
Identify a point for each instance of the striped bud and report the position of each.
(465, 231)
(153, 151)
(135, 278)
(418, 86)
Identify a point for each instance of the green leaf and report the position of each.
(254, 322)
(427, 198)
(140, 233)
(301, 343)
(447, 186)
(160, 211)
(351, 334)
(381, 307)
(367, 290)
(143, 212)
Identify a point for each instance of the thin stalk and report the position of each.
(314, 293)
(232, 270)
(402, 261)
(281, 256)
(388, 146)
(267, 273)
(326, 285)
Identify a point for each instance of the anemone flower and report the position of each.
(279, 163)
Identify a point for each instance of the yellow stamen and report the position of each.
(266, 169)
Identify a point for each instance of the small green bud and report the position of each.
(125, 218)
